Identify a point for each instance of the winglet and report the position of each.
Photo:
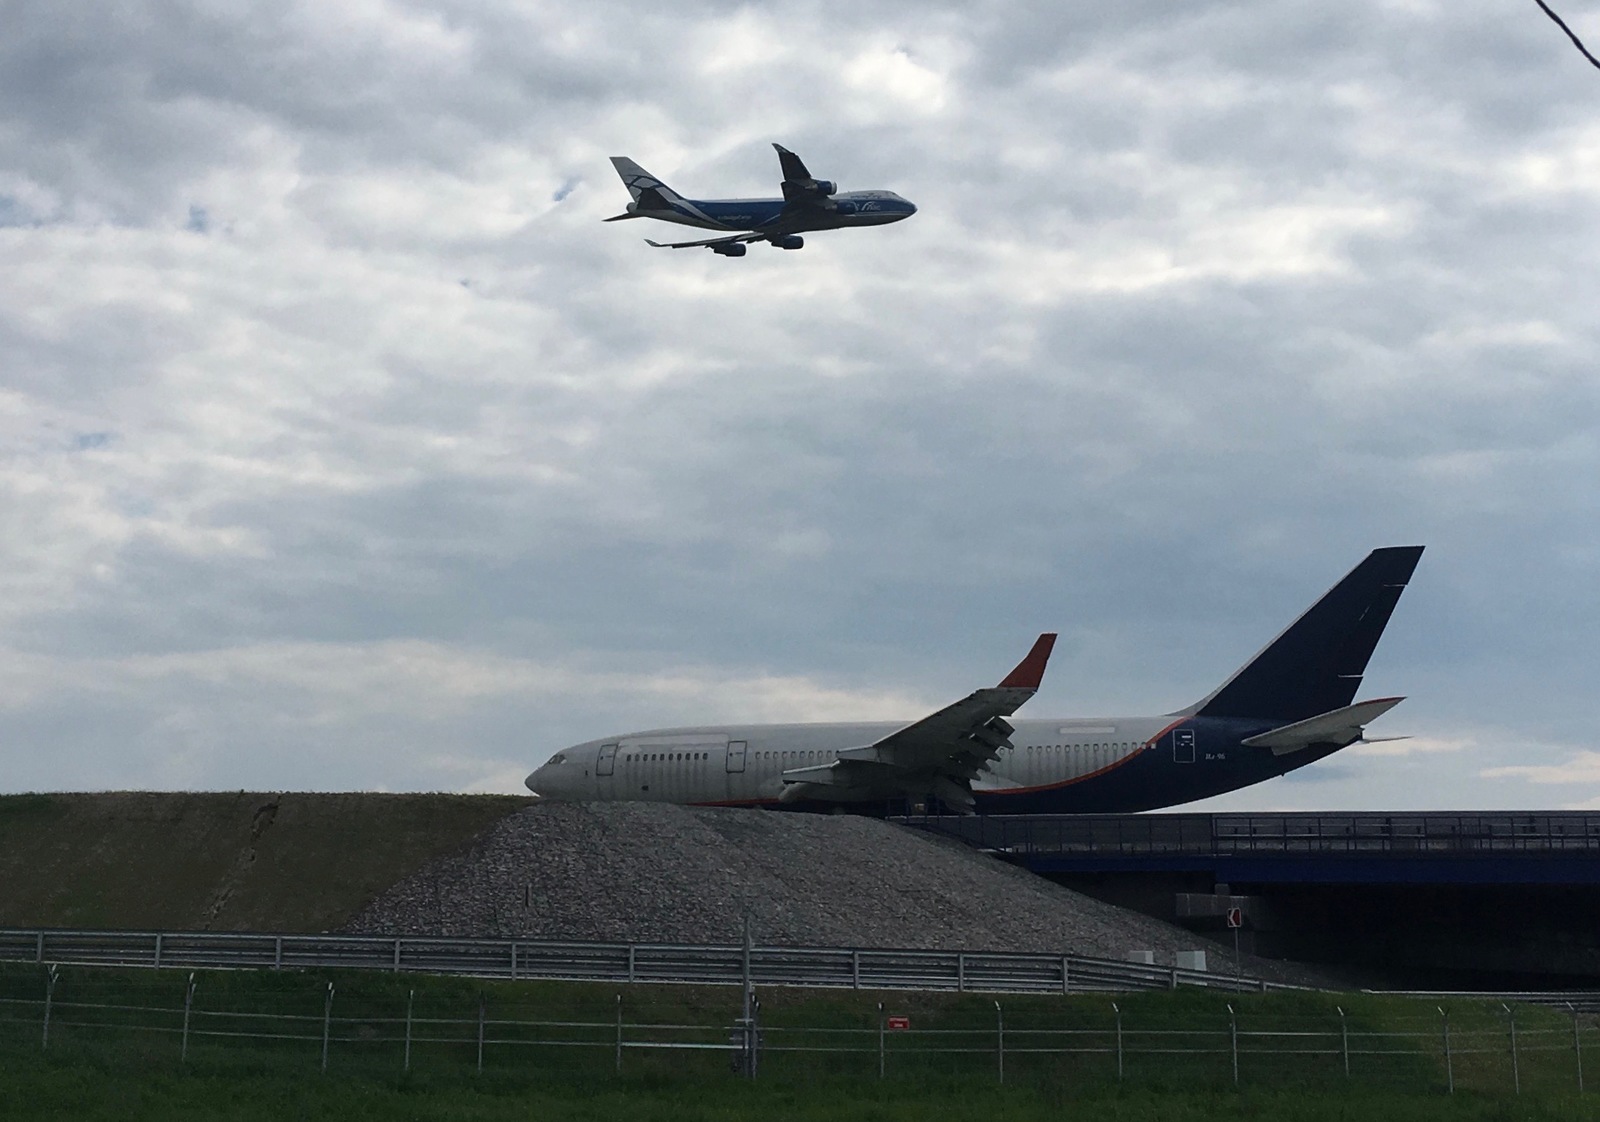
(1030, 671)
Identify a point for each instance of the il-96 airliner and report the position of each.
(1291, 705)
(808, 204)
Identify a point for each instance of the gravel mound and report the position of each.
(653, 873)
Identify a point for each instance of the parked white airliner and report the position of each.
(1289, 706)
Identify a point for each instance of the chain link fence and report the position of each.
(541, 1031)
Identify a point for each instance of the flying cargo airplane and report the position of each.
(807, 204)
(1291, 705)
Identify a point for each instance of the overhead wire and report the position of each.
(1576, 42)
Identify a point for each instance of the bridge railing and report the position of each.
(1499, 833)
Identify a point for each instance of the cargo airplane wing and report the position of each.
(736, 239)
(939, 755)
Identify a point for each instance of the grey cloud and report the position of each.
(1198, 308)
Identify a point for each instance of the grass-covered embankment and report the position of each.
(220, 861)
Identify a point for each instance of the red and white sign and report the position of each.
(899, 1023)
(1235, 917)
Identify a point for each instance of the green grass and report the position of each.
(233, 861)
(115, 1042)
(83, 1092)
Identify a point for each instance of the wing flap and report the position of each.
(1338, 726)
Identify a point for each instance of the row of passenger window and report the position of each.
(669, 757)
(1057, 749)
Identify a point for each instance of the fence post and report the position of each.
(327, 1018)
(880, 1040)
(411, 997)
(630, 966)
(1516, 1070)
(961, 972)
(49, 999)
(619, 1022)
(1577, 1045)
(1118, 1012)
(1233, 1042)
(513, 960)
(1449, 1061)
(277, 953)
(38, 948)
(397, 956)
(1000, 1040)
(482, 1013)
(157, 960)
(1066, 976)
(1344, 1039)
(855, 970)
(188, 1003)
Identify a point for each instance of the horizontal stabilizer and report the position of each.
(1339, 727)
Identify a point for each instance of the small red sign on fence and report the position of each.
(1235, 917)
(899, 1022)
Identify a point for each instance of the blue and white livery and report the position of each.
(808, 204)
(1291, 705)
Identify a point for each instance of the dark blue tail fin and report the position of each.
(1316, 665)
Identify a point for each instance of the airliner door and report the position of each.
(1183, 746)
(736, 755)
(606, 762)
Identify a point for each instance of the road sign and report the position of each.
(1235, 918)
(899, 1023)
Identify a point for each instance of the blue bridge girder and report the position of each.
(1435, 847)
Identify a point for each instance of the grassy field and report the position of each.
(255, 1051)
(86, 1092)
(220, 861)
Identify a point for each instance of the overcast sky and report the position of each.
(345, 448)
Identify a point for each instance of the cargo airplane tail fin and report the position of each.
(1315, 666)
(649, 193)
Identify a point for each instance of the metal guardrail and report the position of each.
(1456, 834)
(851, 968)
(1582, 1001)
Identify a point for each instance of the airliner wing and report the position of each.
(730, 240)
(942, 753)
